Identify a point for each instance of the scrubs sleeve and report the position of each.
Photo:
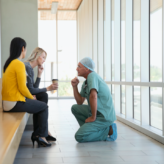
(82, 92)
(93, 82)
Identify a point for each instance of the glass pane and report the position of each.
(136, 39)
(54, 69)
(41, 85)
(123, 15)
(112, 40)
(47, 35)
(113, 94)
(137, 103)
(43, 74)
(123, 99)
(47, 70)
(50, 93)
(156, 107)
(65, 89)
(67, 42)
(156, 40)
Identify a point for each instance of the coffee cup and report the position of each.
(54, 81)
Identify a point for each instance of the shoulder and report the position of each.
(28, 67)
(92, 75)
(18, 63)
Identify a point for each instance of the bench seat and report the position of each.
(12, 126)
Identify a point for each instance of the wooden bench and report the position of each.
(12, 126)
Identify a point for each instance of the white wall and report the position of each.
(19, 19)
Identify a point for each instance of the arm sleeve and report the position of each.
(33, 88)
(21, 79)
(37, 82)
(93, 83)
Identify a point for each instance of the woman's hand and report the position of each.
(40, 70)
(52, 87)
(34, 97)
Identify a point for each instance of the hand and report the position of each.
(34, 97)
(52, 87)
(75, 82)
(90, 119)
(40, 70)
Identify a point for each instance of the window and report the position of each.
(136, 39)
(156, 107)
(123, 21)
(123, 99)
(136, 103)
(156, 40)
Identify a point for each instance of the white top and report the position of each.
(8, 105)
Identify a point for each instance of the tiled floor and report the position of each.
(131, 147)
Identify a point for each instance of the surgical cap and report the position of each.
(88, 63)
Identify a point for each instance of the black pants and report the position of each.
(43, 96)
(40, 112)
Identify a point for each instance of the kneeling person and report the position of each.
(96, 119)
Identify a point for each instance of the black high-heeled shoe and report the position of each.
(33, 139)
(50, 138)
(41, 142)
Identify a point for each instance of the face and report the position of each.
(41, 59)
(81, 70)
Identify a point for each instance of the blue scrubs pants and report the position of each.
(93, 131)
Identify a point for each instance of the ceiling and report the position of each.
(44, 7)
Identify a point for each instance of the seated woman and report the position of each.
(16, 96)
(37, 58)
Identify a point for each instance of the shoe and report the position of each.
(113, 137)
(41, 142)
(50, 138)
(33, 138)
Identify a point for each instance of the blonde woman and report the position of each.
(36, 59)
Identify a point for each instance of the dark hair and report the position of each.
(16, 46)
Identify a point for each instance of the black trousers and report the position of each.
(43, 97)
(39, 110)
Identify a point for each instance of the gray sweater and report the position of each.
(33, 87)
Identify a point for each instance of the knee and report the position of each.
(45, 96)
(45, 107)
(78, 137)
(73, 108)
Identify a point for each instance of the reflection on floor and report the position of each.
(131, 147)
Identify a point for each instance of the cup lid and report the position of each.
(54, 79)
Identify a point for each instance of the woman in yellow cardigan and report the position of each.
(16, 96)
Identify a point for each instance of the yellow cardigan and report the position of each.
(14, 82)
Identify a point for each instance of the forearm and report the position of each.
(35, 91)
(37, 82)
(77, 96)
(93, 104)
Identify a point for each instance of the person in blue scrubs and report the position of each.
(96, 119)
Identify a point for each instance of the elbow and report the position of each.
(93, 97)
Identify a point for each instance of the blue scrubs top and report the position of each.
(104, 98)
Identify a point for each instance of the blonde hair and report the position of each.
(35, 54)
